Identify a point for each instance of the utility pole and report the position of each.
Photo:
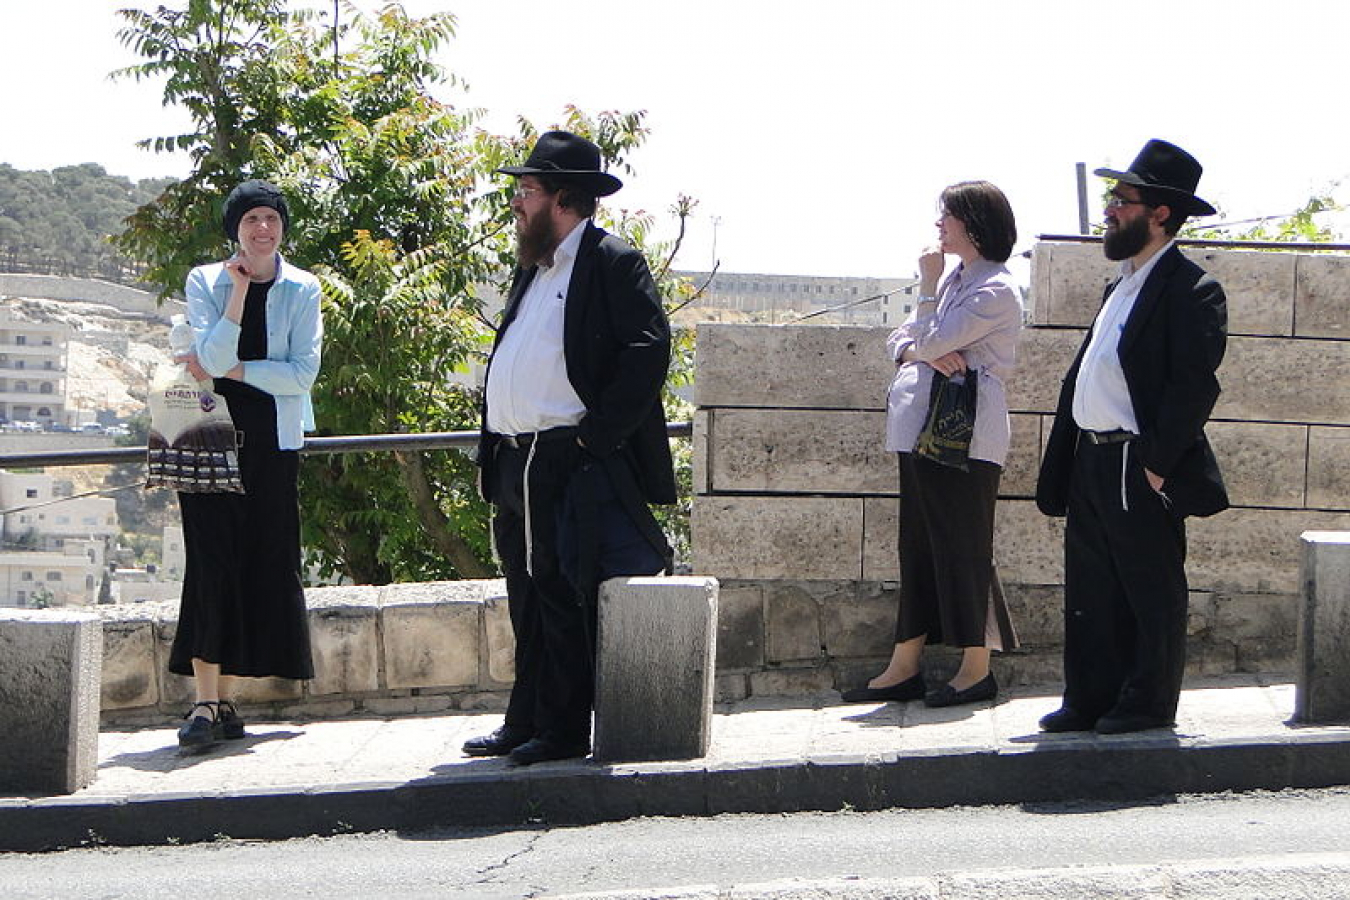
(1082, 198)
(716, 221)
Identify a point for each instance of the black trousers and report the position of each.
(1125, 592)
(553, 625)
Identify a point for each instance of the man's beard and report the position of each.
(535, 241)
(1123, 242)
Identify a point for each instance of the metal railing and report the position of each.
(355, 443)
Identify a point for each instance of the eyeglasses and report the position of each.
(1118, 202)
(525, 193)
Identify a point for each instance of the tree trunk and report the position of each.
(434, 520)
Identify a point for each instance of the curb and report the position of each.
(1044, 769)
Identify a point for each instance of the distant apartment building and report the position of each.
(786, 298)
(53, 554)
(32, 370)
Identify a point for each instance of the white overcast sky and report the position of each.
(818, 133)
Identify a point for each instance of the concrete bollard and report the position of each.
(1322, 672)
(654, 668)
(51, 664)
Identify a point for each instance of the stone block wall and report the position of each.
(797, 505)
(401, 648)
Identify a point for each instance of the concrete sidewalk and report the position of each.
(288, 779)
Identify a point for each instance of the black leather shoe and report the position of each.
(1125, 723)
(946, 695)
(201, 732)
(228, 723)
(537, 750)
(1067, 719)
(909, 689)
(499, 743)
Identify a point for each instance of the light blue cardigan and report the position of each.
(294, 338)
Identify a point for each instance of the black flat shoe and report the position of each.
(1067, 719)
(201, 732)
(228, 723)
(946, 695)
(537, 750)
(909, 689)
(1125, 723)
(499, 743)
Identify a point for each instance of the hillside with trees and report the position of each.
(59, 222)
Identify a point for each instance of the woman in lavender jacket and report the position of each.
(969, 326)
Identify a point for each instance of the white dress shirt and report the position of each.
(1101, 398)
(527, 386)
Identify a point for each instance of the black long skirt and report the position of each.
(949, 589)
(243, 601)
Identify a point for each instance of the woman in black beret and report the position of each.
(257, 329)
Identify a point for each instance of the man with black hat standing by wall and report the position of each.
(1127, 459)
(574, 441)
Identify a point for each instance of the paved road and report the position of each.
(1266, 845)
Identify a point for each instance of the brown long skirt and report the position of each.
(949, 589)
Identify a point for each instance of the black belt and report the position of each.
(1119, 436)
(523, 441)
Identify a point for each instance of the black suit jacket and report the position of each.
(1171, 346)
(616, 343)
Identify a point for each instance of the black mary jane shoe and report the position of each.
(201, 732)
(909, 689)
(230, 726)
(946, 695)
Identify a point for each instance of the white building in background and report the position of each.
(52, 554)
(172, 554)
(33, 362)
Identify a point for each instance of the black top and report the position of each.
(252, 342)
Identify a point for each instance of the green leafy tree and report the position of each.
(395, 207)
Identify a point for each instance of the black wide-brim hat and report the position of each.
(563, 155)
(1165, 167)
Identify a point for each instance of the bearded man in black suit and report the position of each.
(1127, 459)
(574, 441)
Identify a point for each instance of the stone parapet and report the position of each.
(377, 650)
(1322, 674)
(793, 485)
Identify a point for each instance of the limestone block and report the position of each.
(1024, 457)
(1322, 296)
(859, 620)
(1322, 670)
(1262, 464)
(702, 483)
(1028, 546)
(791, 623)
(731, 688)
(1042, 265)
(803, 366)
(1262, 628)
(740, 626)
(1329, 468)
(1037, 612)
(129, 677)
(1043, 357)
(1285, 380)
(345, 638)
(654, 671)
(174, 690)
(499, 640)
(778, 537)
(50, 668)
(1259, 286)
(1079, 274)
(267, 690)
(797, 682)
(430, 634)
(881, 538)
(1253, 550)
(801, 451)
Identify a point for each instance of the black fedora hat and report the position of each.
(1165, 167)
(561, 154)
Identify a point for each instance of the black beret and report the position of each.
(251, 195)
